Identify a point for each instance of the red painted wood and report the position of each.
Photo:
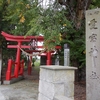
(48, 58)
(17, 61)
(21, 38)
(8, 73)
(30, 65)
(21, 68)
(22, 46)
(18, 65)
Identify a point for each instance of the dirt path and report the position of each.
(80, 91)
(27, 89)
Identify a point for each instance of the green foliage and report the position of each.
(19, 14)
(95, 4)
(37, 63)
(76, 42)
(51, 24)
(29, 18)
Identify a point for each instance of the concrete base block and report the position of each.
(42, 97)
(13, 80)
(60, 97)
(50, 89)
(56, 81)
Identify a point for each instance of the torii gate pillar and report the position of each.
(17, 60)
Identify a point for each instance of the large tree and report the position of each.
(56, 20)
(62, 18)
(29, 17)
(76, 10)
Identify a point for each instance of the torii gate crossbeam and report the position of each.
(19, 40)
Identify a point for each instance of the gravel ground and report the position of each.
(28, 89)
(80, 87)
(80, 91)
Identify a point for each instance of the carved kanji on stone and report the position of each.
(92, 24)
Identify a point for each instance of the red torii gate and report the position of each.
(19, 40)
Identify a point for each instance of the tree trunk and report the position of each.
(76, 11)
(81, 7)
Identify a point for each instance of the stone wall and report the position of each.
(56, 82)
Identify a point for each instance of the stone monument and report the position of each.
(93, 54)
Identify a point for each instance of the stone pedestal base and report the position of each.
(55, 81)
(13, 80)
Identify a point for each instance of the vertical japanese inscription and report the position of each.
(93, 37)
(93, 50)
(93, 54)
(92, 24)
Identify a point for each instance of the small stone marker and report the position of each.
(93, 54)
(57, 60)
(66, 55)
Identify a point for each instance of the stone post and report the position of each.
(93, 54)
(56, 83)
(66, 55)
